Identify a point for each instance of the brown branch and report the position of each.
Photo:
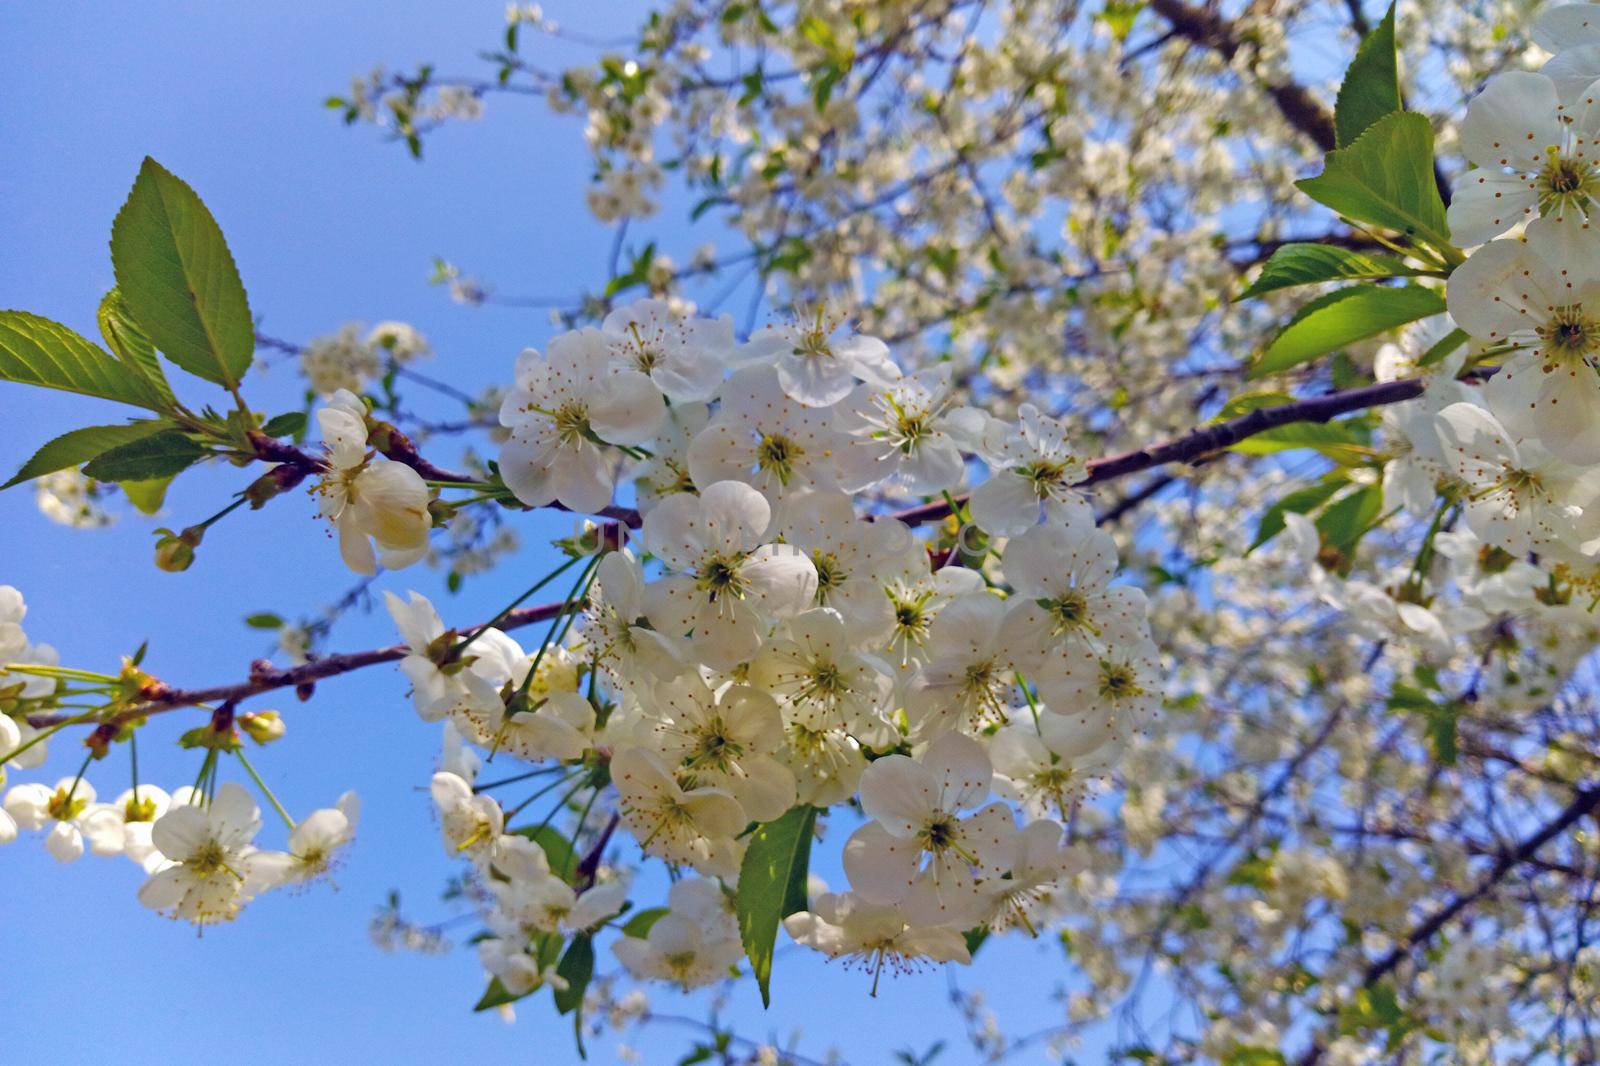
(1586, 800)
(1194, 447)
(1210, 29)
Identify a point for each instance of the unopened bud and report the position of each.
(175, 551)
(263, 727)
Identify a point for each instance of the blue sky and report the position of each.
(327, 225)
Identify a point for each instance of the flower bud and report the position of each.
(263, 727)
(173, 554)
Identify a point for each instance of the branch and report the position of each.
(1210, 30)
(1194, 447)
(1587, 800)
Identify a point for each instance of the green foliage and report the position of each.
(1347, 519)
(160, 455)
(577, 966)
(1443, 347)
(292, 424)
(640, 924)
(1371, 86)
(772, 886)
(37, 351)
(130, 344)
(1300, 501)
(1344, 442)
(82, 445)
(1439, 719)
(1342, 317)
(178, 279)
(1307, 264)
(264, 620)
(1385, 178)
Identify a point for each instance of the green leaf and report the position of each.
(161, 455)
(37, 351)
(81, 445)
(1371, 86)
(1339, 441)
(130, 344)
(772, 886)
(639, 925)
(1443, 347)
(1246, 402)
(1300, 501)
(577, 966)
(557, 849)
(263, 620)
(495, 995)
(292, 424)
(146, 495)
(178, 278)
(1307, 264)
(1343, 317)
(1386, 178)
(1347, 519)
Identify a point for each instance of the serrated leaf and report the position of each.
(1343, 317)
(161, 455)
(130, 344)
(82, 445)
(178, 279)
(772, 886)
(577, 966)
(639, 925)
(1307, 264)
(1371, 86)
(1386, 178)
(37, 351)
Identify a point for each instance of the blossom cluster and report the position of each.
(784, 639)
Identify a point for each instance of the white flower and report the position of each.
(1119, 688)
(822, 681)
(874, 936)
(1533, 154)
(403, 341)
(1032, 470)
(683, 354)
(369, 500)
(666, 472)
(66, 810)
(915, 807)
(1047, 782)
(970, 670)
(730, 587)
(517, 970)
(694, 826)
(470, 824)
(853, 558)
(678, 950)
(816, 365)
(213, 866)
(906, 431)
(724, 739)
(1043, 863)
(1517, 493)
(315, 842)
(628, 652)
(1548, 388)
(763, 438)
(563, 412)
(483, 665)
(125, 826)
(1064, 597)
